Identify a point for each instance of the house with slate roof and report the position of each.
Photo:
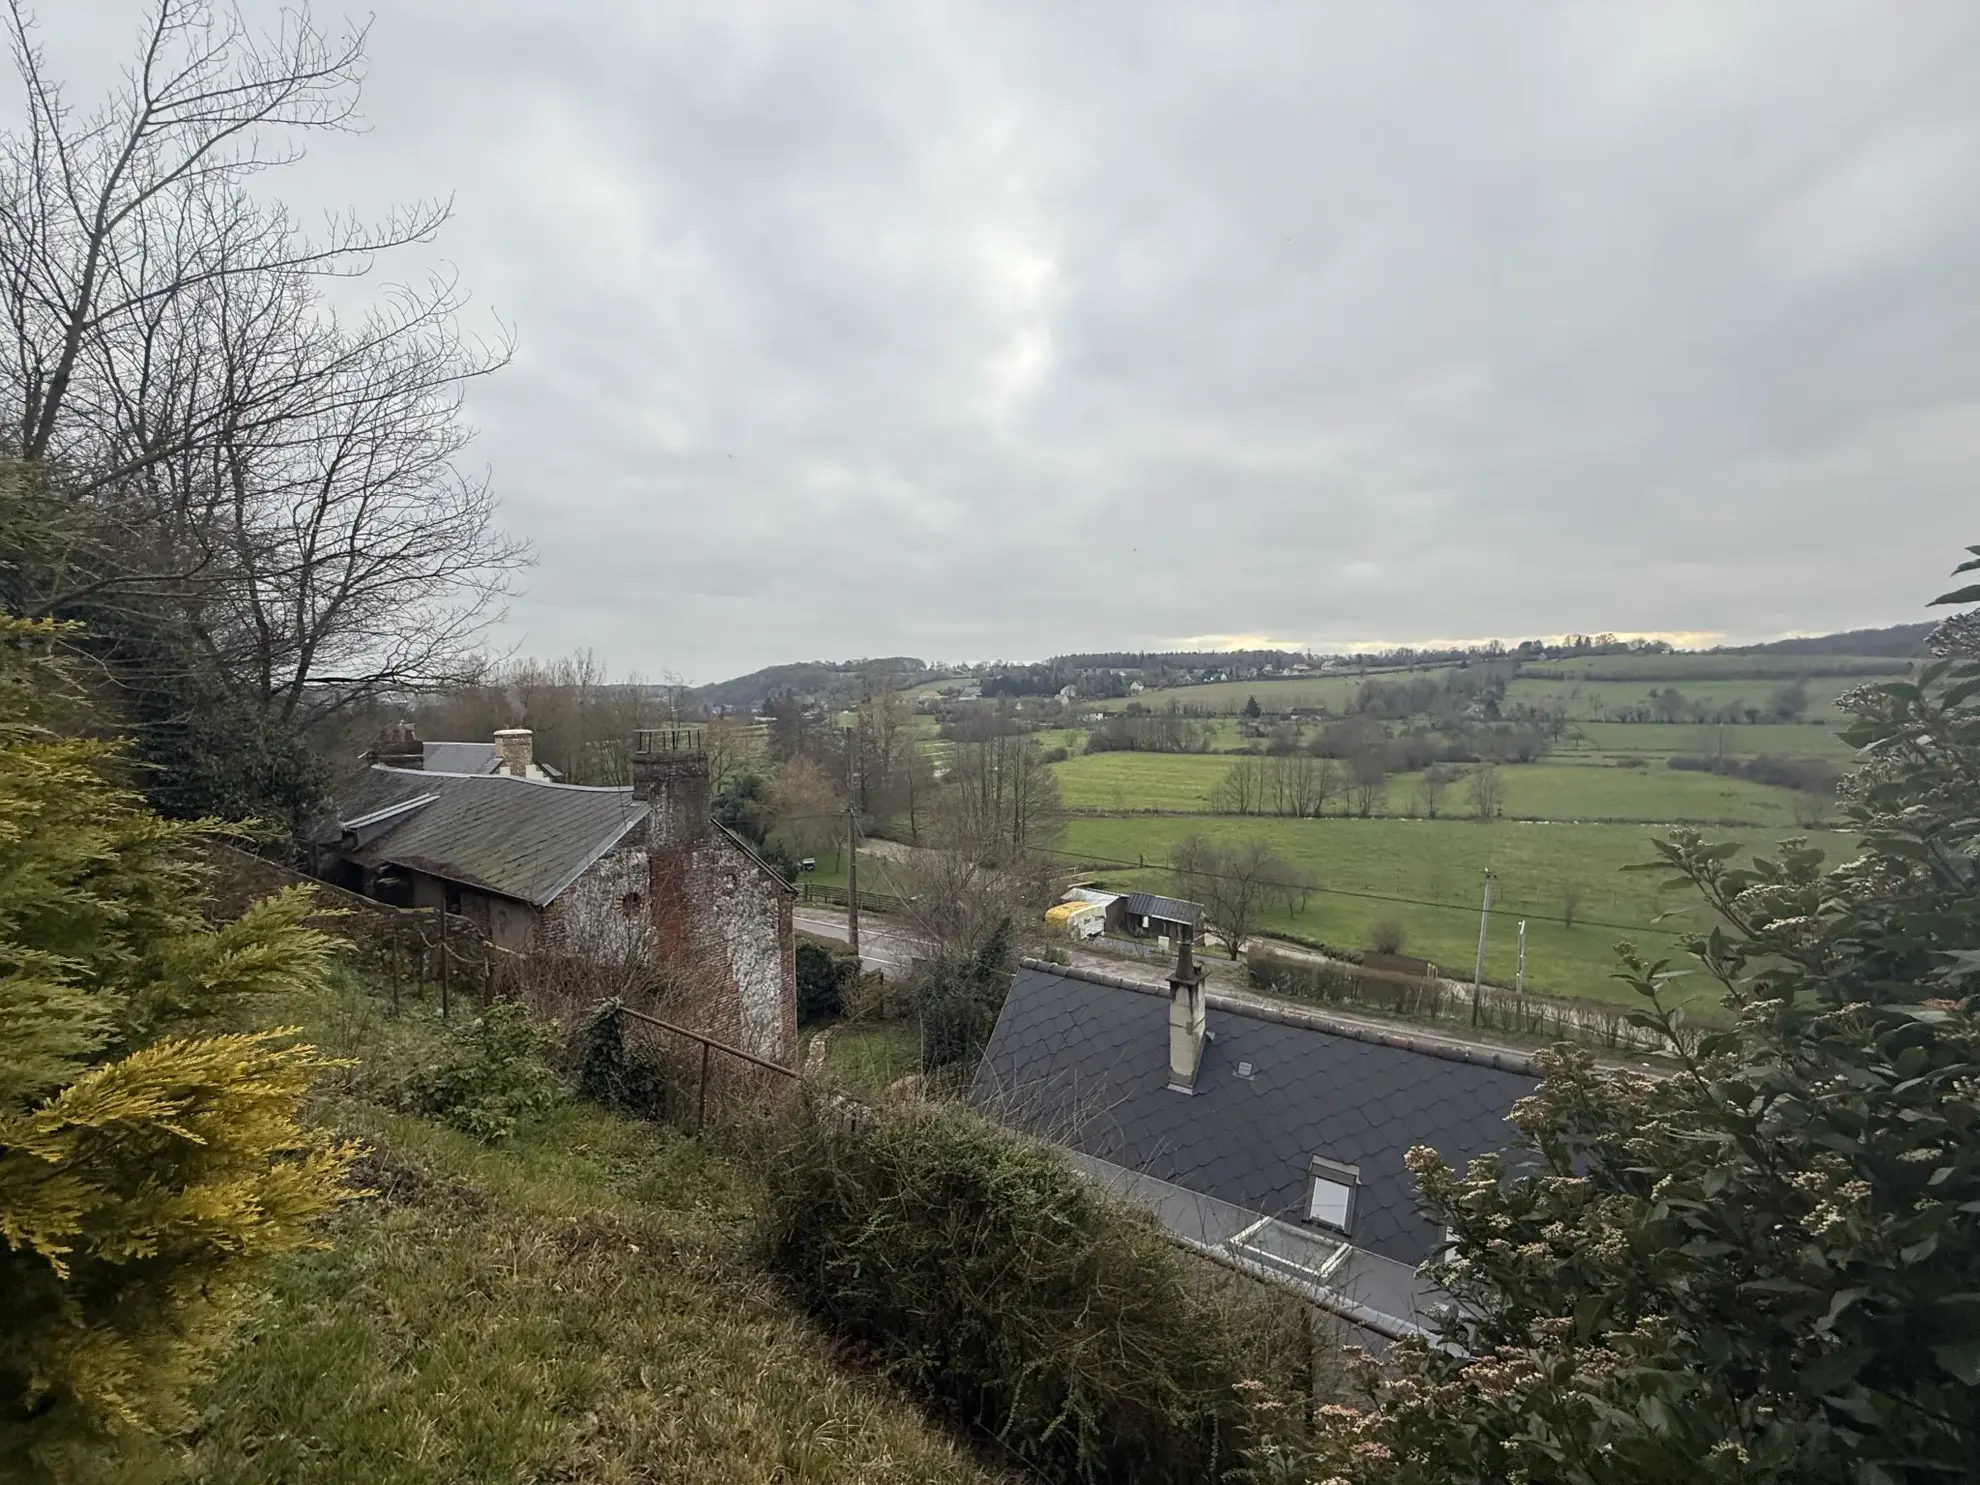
(606, 874)
(1267, 1137)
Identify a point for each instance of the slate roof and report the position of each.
(1087, 1064)
(526, 839)
(461, 757)
(1153, 905)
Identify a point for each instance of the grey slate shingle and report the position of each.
(522, 838)
(1088, 1065)
(460, 757)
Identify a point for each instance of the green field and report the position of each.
(1674, 668)
(1748, 740)
(1126, 783)
(1335, 691)
(1439, 865)
(1594, 700)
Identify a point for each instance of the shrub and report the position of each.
(498, 1076)
(990, 1279)
(144, 1164)
(1763, 1267)
(1385, 936)
(960, 998)
(822, 980)
(630, 1079)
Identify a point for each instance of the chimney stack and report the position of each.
(670, 773)
(400, 747)
(516, 747)
(1186, 1033)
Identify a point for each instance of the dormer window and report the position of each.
(1330, 1193)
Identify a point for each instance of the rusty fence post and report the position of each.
(701, 1094)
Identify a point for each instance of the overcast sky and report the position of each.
(1007, 330)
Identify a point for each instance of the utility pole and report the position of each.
(1520, 979)
(852, 847)
(1478, 973)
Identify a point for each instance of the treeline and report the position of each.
(1810, 775)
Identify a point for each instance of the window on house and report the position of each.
(1330, 1193)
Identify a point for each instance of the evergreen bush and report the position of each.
(144, 1163)
(992, 1280)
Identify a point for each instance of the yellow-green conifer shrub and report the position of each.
(145, 1161)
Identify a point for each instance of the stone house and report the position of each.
(605, 874)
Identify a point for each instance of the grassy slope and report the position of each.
(1441, 863)
(1580, 697)
(575, 1305)
(867, 1057)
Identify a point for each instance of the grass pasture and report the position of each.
(1597, 700)
(1436, 867)
(1334, 691)
(1747, 740)
(1128, 783)
(1664, 670)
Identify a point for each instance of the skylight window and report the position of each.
(1331, 1192)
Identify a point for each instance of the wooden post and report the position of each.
(397, 969)
(701, 1097)
(446, 963)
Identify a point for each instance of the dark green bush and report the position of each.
(496, 1076)
(990, 1279)
(609, 1072)
(822, 978)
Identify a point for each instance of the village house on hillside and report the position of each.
(1270, 1138)
(607, 874)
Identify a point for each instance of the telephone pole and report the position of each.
(852, 847)
(1478, 973)
(1520, 981)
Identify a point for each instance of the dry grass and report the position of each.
(575, 1304)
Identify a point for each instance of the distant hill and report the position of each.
(831, 682)
(1900, 640)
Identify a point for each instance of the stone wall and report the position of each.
(604, 915)
(725, 919)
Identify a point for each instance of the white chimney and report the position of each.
(516, 747)
(1185, 1018)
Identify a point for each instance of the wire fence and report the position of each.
(420, 952)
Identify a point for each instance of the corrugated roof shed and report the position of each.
(1174, 909)
(1087, 1064)
(522, 838)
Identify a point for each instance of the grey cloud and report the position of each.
(1008, 329)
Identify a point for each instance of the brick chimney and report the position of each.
(1186, 1032)
(670, 773)
(400, 747)
(516, 747)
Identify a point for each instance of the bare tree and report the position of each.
(1003, 796)
(1235, 884)
(803, 808)
(1367, 783)
(1436, 779)
(282, 483)
(1241, 791)
(1327, 783)
(1486, 791)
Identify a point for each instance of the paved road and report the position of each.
(881, 945)
(885, 946)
